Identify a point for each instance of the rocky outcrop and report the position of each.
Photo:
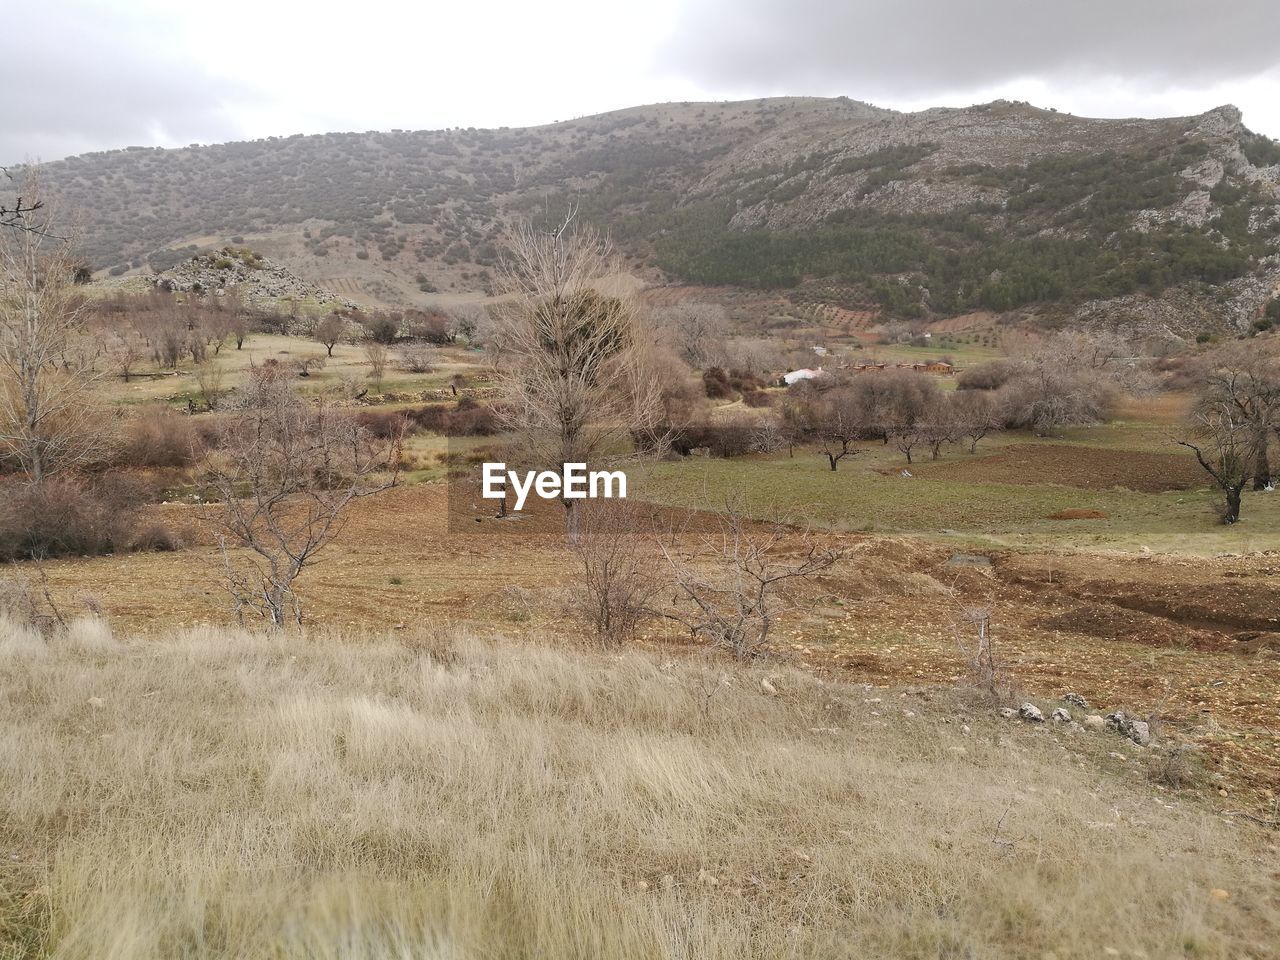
(254, 276)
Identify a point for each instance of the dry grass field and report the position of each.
(211, 793)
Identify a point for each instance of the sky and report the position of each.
(81, 75)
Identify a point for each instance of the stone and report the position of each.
(767, 687)
(1031, 713)
(1139, 732)
(968, 560)
(1075, 700)
(1008, 712)
(1136, 730)
(1095, 722)
(1060, 715)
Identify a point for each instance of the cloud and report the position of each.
(909, 49)
(79, 77)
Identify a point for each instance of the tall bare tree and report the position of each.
(574, 365)
(49, 416)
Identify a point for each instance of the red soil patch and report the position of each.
(1079, 513)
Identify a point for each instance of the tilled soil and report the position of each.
(1088, 468)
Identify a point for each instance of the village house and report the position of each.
(804, 373)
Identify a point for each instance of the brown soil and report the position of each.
(1089, 468)
(1190, 641)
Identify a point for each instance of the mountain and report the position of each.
(999, 207)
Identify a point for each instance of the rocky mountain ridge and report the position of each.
(1000, 206)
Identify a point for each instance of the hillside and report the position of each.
(996, 207)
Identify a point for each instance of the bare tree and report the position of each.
(376, 354)
(737, 581)
(329, 331)
(840, 420)
(26, 214)
(209, 383)
(574, 369)
(1226, 446)
(126, 353)
(698, 332)
(619, 568)
(1246, 381)
(50, 418)
(977, 414)
(417, 358)
(285, 473)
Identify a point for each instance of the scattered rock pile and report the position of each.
(255, 276)
(1139, 731)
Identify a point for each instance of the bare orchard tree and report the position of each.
(977, 413)
(1226, 446)
(329, 330)
(417, 357)
(376, 354)
(697, 331)
(1246, 380)
(285, 473)
(733, 584)
(619, 568)
(840, 421)
(574, 369)
(50, 418)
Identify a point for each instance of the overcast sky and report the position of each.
(82, 75)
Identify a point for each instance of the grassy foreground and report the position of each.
(224, 794)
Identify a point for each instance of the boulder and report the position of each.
(1075, 700)
(1094, 722)
(1031, 713)
(1060, 715)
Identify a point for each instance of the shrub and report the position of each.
(991, 375)
(159, 437)
(64, 517)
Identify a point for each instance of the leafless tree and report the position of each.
(26, 214)
(417, 357)
(1226, 446)
(697, 330)
(50, 417)
(1245, 379)
(329, 331)
(125, 353)
(376, 355)
(209, 383)
(574, 369)
(734, 583)
(977, 414)
(769, 436)
(840, 420)
(940, 423)
(285, 473)
(618, 565)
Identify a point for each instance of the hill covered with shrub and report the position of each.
(999, 206)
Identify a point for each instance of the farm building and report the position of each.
(804, 373)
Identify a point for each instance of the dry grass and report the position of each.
(225, 794)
